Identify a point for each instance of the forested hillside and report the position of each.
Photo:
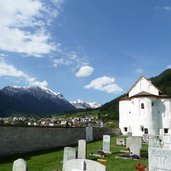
(162, 82)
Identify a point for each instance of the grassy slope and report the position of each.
(52, 159)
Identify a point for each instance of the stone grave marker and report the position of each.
(129, 134)
(81, 149)
(162, 141)
(159, 153)
(145, 138)
(134, 140)
(69, 153)
(166, 141)
(120, 141)
(134, 149)
(155, 141)
(106, 143)
(89, 133)
(134, 143)
(84, 165)
(159, 159)
(19, 165)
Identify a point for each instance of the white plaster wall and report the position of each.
(143, 85)
(124, 108)
(132, 116)
(165, 111)
(156, 115)
(136, 117)
(143, 117)
(152, 116)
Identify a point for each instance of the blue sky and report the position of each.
(93, 50)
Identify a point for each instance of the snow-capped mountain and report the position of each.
(80, 104)
(95, 104)
(36, 91)
(39, 100)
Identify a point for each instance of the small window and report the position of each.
(166, 130)
(125, 129)
(142, 105)
(145, 130)
(142, 128)
(153, 103)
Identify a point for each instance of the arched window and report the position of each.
(145, 130)
(125, 129)
(142, 105)
(142, 128)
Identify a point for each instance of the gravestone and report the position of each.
(166, 138)
(69, 153)
(81, 149)
(166, 141)
(159, 159)
(120, 141)
(106, 143)
(84, 165)
(129, 134)
(134, 149)
(145, 138)
(134, 143)
(89, 133)
(134, 140)
(19, 165)
(159, 153)
(155, 141)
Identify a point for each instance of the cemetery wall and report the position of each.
(15, 139)
(99, 132)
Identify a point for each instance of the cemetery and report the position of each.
(143, 146)
(109, 154)
(64, 158)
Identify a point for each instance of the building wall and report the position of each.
(156, 115)
(143, 85)
(26, 139)
(165, 115)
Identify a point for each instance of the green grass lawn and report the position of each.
(49, 160)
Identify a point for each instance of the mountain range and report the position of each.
(80, 104)
(34, 100)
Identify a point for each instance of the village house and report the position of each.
(145, 110)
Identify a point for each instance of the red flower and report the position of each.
(139, 167)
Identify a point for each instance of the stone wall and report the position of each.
(14, 139)
(99, 132)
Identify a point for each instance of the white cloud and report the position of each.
(167, 8)
(70, 58)
(23, 24)
(3, 55)
(84, 71)
(61, 61)
(104, 83)
(164, 8)
(139, 71)
(7, 70)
